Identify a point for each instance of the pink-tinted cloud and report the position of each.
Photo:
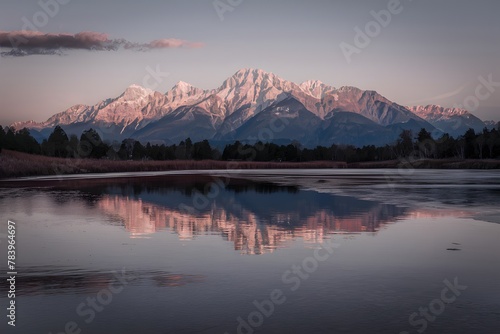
(172, 43)
(24, 43)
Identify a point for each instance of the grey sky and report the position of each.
(429, 50)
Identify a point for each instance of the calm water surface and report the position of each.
(303, 251)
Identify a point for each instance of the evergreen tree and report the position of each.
(10, 140)
(94, 145)
(73, 145)
(202, 150)
(180, 151)
(138, 152)
(2, 137)
(470, 144)
(426, 144)
(493, 142)
(189, 148)
(480, 142)
(126, 149)
(404, 146)
(58, 142)
(291, 153)
(26, 143)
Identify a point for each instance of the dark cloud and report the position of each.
(22, 52)
(25, 43)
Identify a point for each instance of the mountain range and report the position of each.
(256, 105)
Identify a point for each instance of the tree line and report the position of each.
(471, 145)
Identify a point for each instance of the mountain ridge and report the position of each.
(219, 113)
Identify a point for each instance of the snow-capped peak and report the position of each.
(242, 96)
(183, 86)
(433, 112)
(255, 71)
(183, 91)
(248, 76)
(135, 92)
(135, 87)
(27, 124)
(315, 88)
(311, 84)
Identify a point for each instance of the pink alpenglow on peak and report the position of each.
(135, 92)
(242, 103)
(436, 111)
(315, 88)
(184, 92)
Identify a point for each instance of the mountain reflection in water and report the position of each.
(186, 245)
(256, 217)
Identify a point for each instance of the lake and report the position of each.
(271, 251)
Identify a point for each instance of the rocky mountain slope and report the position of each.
(255, 105)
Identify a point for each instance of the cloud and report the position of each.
(173, 43)
(26, 42)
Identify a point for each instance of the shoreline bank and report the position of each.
(16, 165)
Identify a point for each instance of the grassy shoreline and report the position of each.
(16, 164)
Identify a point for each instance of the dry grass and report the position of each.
(16, 164)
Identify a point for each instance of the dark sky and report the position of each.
(427, 52)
